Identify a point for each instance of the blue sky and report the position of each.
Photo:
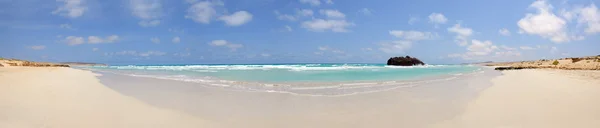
(296, 31)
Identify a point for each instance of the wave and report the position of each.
(302, 88)
(293, 67)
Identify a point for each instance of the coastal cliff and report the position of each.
(404, 61)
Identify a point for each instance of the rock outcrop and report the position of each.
(404, 61)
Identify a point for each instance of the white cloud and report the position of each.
(224, 43)
(395, 46)
(332, 13)
(311, 2)
(590, 16)
(288, 28)
(38, 47)
(149, 11)
(366, 11)
(504, 47)
(338, 51)
(237, 18)
(97, 40)
(413, 20)
(218, 43)
(182, 54)
(553, 50)
(508, 54)
(437, 18)
(265, 55)
(504, 32)
(149, 23)
(486, 50)
(299, 14)
(94, 40)
(66, 26)
(329, 1)
(202, 12)
(304, 12)
(95, 49)
(481, 48)
(462, 34)
(544, 23)
(285, 16)
(151, 53)
(176, 39)
(320, 25)
(526, 48)
(135, 53)
(132, 53)
(74, 40)
(323, 48)
(112, 38)
(413, 35)
(155, 40)
(71, 8)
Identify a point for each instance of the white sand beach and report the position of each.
(72, 98)
(535, 99)
(35, 97)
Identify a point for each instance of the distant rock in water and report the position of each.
(404, 61)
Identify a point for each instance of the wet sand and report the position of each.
(416, 107)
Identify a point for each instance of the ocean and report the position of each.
(310, 79)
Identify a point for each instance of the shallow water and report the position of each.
(300, 79)
(415, 103)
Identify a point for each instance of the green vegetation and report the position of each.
(555, 62)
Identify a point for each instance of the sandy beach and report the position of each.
(34, 97)
(535, 99)
(73, 98)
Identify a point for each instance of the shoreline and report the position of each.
(532, 98)
(303, 88)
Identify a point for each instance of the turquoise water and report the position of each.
(301, 79)
(289, 72)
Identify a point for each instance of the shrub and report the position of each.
(575, 60)
(555, 62)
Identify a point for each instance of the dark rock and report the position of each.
(404, 61)
(512, 68)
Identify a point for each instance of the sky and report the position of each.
(296, 31)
